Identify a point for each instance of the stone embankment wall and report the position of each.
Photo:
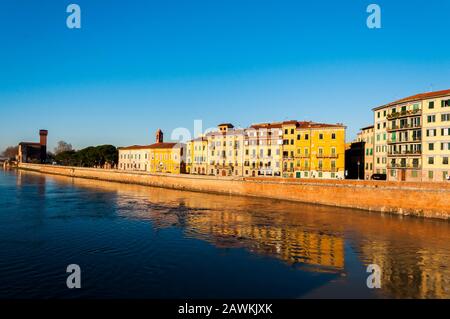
(418, 199)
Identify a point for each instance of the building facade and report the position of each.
(263, 147)
(418, 137)
(225, 151)
(380, 140)
(367, 136)
(290, 149)
(197, 156)
(29, 152)
(159, 157)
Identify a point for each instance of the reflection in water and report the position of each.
(413, 254)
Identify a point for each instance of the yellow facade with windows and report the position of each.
(159, 157)
(167, 158)
(225, 151)
(197, 156)
(313, 150)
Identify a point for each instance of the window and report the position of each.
(431, 132)
(430, 174)
(431, 146)
(431, 160)
(333, 136)
(445, 160)
(333, 151)
(431, 118)
(431, 105)
(320, 136)
(320, 151)
(445, 103)
(306, 136)
(292, 131)
(298, 137)
(445, 131)
(445, 117)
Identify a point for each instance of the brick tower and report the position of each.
(43, 141)
(159, 136)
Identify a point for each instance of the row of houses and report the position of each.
(409, 139)
(290, 149)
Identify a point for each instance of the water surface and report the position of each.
(142, 242)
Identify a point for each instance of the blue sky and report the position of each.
(136, 66)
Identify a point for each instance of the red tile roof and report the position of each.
(298, 124)
(417, 97)
(152, 146)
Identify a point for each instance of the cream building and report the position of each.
(436, 136)
(367, 136)
(159, 157)
(380, 140)
(418, 137)
(134, 158)
(225, 151)
(263, 150)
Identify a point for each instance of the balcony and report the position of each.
(404, 114)
(402, 127)
(405, 153)
(403, 166)
(326, 156)
(412, 140)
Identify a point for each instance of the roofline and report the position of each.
(365, 128)
(406, 99)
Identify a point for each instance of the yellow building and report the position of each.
(159, 157)
(197, 156)
(167, 158)
(313, 150)
(289, 149)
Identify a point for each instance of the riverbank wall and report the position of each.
(429, 200)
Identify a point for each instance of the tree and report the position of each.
(89, 157)
(63, 147)
(11, 152)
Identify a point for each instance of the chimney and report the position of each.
(43, 141)
(159, 136)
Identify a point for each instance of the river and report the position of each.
(141, 242)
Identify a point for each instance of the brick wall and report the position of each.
(405, 198)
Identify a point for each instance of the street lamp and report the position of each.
(359, 163)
